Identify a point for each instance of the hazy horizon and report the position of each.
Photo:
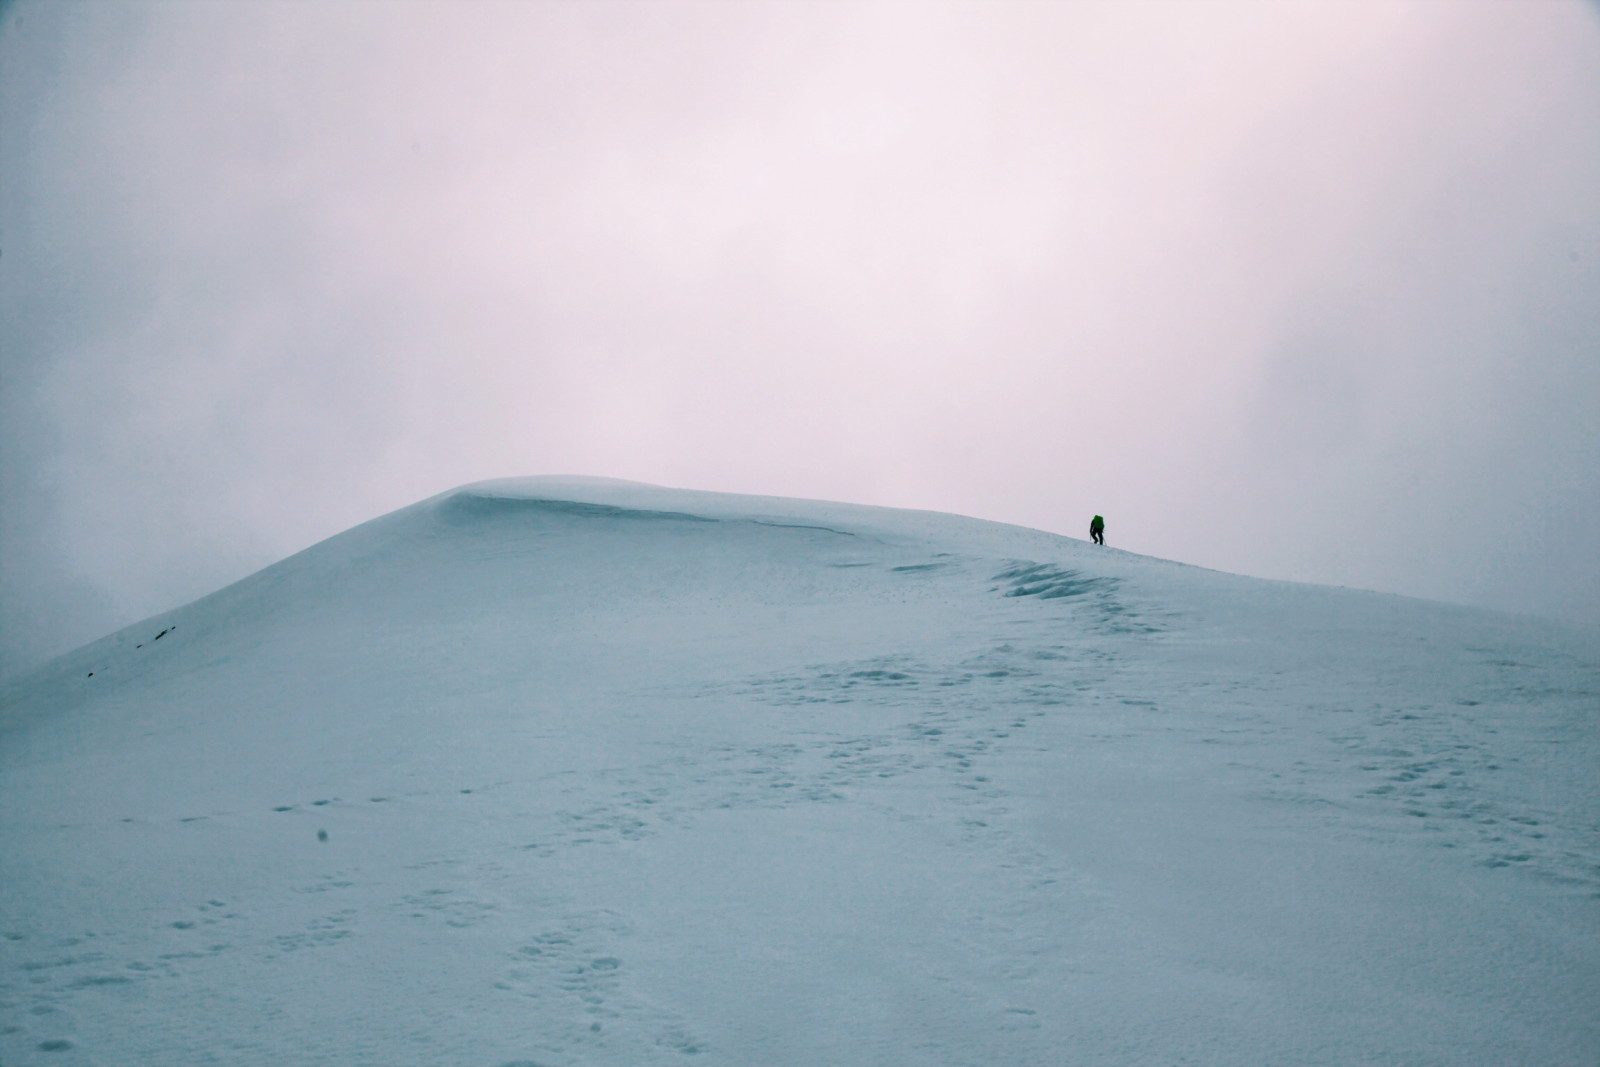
(1299, 291)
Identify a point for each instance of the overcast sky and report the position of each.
(1295, 289)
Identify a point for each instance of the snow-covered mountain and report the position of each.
(570, 772)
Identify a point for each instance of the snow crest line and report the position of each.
(508, 778)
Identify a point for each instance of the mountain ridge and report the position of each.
(582, 772)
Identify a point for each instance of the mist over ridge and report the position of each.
(1302, 291)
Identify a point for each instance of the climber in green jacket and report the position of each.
(1097, 530)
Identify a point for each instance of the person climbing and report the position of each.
(1097, 530)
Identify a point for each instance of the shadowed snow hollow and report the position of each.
(562, 772)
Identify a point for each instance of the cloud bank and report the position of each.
(1306, 291)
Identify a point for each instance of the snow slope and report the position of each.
(560, 772)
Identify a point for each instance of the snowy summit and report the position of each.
(579, 772)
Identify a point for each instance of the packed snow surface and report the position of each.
(572, 772)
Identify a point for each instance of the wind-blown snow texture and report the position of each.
(564, 772)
